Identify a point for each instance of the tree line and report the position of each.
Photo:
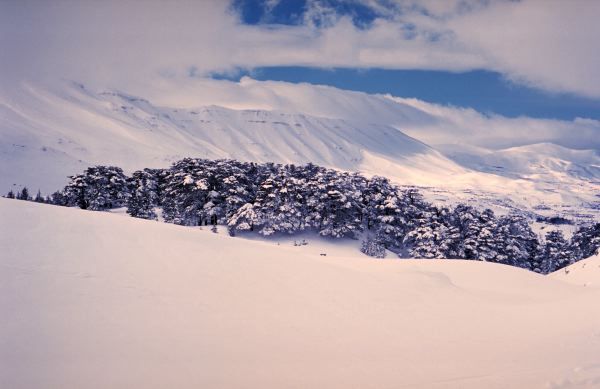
(269, 198)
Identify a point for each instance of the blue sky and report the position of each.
(293, 12)
(487, 92)
(484, 90)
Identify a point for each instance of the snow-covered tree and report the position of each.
(476, 232)
(341, 209)
(372, 247)
(384, 215)
(554, 254)
(198, 191)
(433, 237)
(518, 243)
(246, 218)
(24, 194)
(185, 193)
(586, 241)
(39, 198)
(98, 188)
(285, 204)
(390, 225)
(270, 198)
(58, 198)
(144, 187)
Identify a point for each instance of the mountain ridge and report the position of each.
(115, 127)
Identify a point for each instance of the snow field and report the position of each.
(98, 300)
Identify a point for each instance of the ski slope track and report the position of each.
(98, 300)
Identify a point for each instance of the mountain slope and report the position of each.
(545, 162)
(98, 300)
(49, 130)
(68, 126)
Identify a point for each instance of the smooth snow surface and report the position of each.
(97, 300)
(585, 272)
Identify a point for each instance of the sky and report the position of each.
(529, 59)
(486, 90)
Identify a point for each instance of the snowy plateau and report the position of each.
(100, 300)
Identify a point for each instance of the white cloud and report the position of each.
(551, 45)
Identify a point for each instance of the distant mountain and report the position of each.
(48, 133)
(542, 161)
(50, 130)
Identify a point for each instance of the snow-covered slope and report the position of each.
(544, 162)
(97, 300)
(585, 272)
(554, 179)
(62, 128)
(49, 130)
